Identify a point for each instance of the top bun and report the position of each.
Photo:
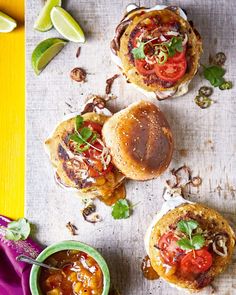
(140, 141)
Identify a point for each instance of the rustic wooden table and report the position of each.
(204, 139)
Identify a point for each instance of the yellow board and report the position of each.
(12, 112)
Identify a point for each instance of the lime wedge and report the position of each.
(66, 25)
(45, 51)
(43, 23)
(7, 24)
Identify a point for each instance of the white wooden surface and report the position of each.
(204, 139)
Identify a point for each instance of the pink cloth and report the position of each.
(14, 275)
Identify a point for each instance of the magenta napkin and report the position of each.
(14, 275)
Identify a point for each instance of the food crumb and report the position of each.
(72, 228)
(78, 75)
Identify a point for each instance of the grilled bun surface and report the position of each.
(213, 227)
(140, 141)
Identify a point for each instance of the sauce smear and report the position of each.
(147, 269)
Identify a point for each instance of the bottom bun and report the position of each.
(181, 268)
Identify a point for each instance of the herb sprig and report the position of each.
(162, 50)
(81, 137)
(122, 209)
(190, 242)
(17, 230)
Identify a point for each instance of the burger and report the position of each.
(157, 49)
(93, 153)
(81, 160)
(189, 244)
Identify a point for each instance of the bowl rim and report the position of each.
(69, 245)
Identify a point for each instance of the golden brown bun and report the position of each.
(140, 141)
(194, 49)
(101, 188)
(209, 220)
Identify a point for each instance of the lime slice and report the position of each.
(45, 51)
(7, 24)
(66, 25)
(43, 23)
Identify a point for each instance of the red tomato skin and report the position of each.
(95, 169)
(169, 250)
(140, 65)
(178, 67)
(178, 56)
(196, 261)
(95, 126)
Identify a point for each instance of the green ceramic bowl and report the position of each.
(68, 245)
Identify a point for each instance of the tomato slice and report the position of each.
(143, 67)
(171, 72)
(197, 261)
(179, 56)
(135, 37)
(96, 168)
(169, 249)
(92, 125)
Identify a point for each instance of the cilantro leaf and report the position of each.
(121, 209)
(75, 137)
(198, 241)
(192, 242)
(187, 226)
(18, 230)
(185, 244)
(86, 133)
(174, 45)
(214, 74)
(79, 120)
(138, 52)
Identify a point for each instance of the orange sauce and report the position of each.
(147, 269)
(118, 194)
(79, 274)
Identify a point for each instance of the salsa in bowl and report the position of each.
(82, 270)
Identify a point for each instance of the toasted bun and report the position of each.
(140, 141)
(59, 159)
(209, 221)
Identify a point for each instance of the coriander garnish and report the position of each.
(162, 50)
(122, 209)
(82, 136)
(190, 242)
(17, 230)
(214, 74)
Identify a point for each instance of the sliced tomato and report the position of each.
(197, 261)
(179, 56)
(169, 249)
(135, 38)
(95, 126)
(143, 67)
(92, 153)
(96, 168)
(171, 72)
